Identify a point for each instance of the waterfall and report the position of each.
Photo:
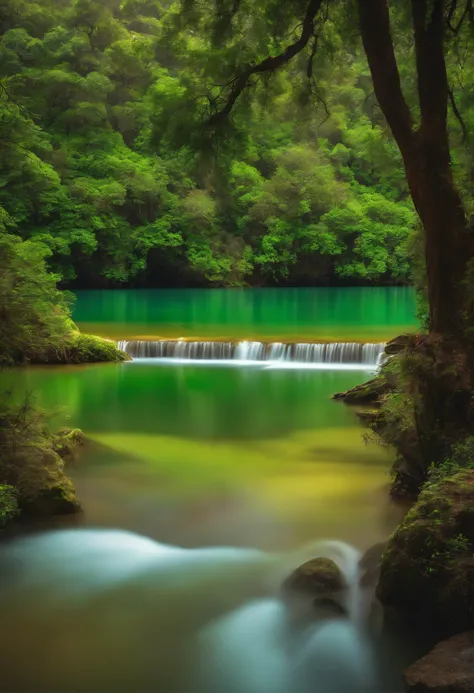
(305, 353)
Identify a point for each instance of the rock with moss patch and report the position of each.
(318, 577)
(67, 442)
(8, 504)
(86, 348)
(427, 570)
(57, 499)
(366, 393)
(448, 667)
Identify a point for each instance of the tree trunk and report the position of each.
(425, 150)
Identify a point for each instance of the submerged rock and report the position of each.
(329, 607)
(318, 577)
(427, 570)
(448, 667)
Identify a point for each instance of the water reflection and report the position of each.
(306, 313)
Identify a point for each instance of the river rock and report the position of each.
(328, 607)
(67, 441)
(319, 577)
(366, 393)
(369, 564)
(427, 570)
(449, 667)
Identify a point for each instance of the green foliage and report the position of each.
(461, 457)
(35, 324)
(30, 465)
(8, 504)
(33, 312)
(428, 568)
(107, 163)
(86, 348)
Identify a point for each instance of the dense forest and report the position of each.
(109, 161)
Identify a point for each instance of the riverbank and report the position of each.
(427, 568)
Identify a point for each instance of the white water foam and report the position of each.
(277, 354)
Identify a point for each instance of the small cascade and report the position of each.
(250, 351)
(246, 351)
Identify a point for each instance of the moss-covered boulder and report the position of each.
(427, 570)
(366, 393)
(67, 442)
(32, 475)
(319, 577)
(8, 504)
(59, 498)
(448, 667)
(86, 348)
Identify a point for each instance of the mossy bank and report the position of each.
(33, 482)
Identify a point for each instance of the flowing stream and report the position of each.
(107, 610)
(217, 463)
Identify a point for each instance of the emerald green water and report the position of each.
(197, 455)
(194, 454)
(266, 446)
(365, 314)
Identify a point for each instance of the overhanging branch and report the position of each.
(270, 64)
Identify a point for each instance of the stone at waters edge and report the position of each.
(427, 570)
(448, 668)
(319, 581)
(369, 564)
(319, 577)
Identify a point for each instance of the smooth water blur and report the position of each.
(308, 314)
(109, 611)
(196, 455)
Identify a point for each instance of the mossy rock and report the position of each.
(57, 499)
(86, 348)
(366, 393)
(427, 570)
(8, 504)
(318, 577)
(67, 441)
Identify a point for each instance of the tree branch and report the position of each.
(467, 12)
(270, 64)
(457, 113)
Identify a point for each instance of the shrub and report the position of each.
(29, 462)
(8, 504)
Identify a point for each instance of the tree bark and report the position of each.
(425, 150)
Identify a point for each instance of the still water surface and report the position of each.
(184, 458)
(365, 314)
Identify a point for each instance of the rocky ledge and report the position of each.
(448, 668)
(427, 570)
